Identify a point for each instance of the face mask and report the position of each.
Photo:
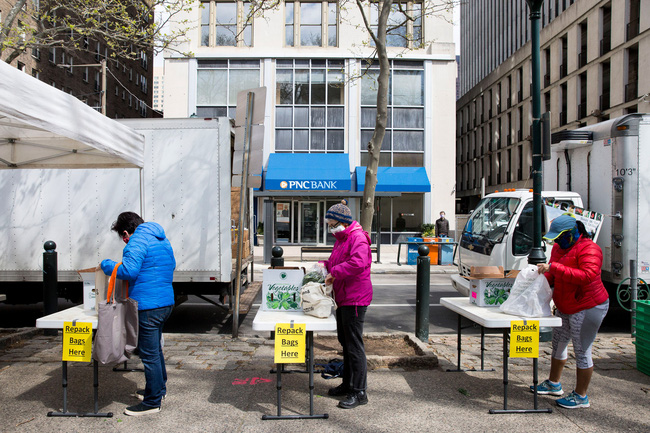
(336, 229)
(442, 215)
(568, 239)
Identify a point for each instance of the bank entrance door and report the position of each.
(309, 225)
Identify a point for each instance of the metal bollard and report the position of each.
(422, 294)
(50, 282)
(277, 260)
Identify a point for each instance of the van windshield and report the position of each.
(489, 221)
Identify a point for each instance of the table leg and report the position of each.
(95, 414)
(399, 247)
(506, 334)
(310, 368)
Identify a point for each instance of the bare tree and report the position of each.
(126, 27)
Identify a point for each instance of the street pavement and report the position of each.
(220, 384)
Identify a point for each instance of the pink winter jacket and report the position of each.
(349, 264)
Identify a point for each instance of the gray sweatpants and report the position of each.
(580, 328)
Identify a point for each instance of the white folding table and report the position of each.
(56, 321)
(491, 317)
(266, 321)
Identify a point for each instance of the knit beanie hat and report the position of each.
(340, 212)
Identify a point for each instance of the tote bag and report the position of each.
(117, 325)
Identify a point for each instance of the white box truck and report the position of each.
(185, 185)
(600, 167)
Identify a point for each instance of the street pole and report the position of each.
(536, 253)
(103, 64)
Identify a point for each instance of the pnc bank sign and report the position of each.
(309, 185)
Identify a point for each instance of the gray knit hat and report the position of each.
(340, 212)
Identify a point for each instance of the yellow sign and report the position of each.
(290, 343)
(524, 339)
(77, 341)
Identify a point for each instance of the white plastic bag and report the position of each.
(320, 268)
(316, 300)
(530, 295)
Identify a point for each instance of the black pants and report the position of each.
(349, 329)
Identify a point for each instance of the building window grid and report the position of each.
(218, 83)
(226, 23)
(311, 23)
(309, 119)
(401, 152)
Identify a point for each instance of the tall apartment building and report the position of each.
(591, 55)
(158, 88)
(318, 119)
(77, 72)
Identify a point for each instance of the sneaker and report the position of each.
(140, 409)
(140, 394)
(338, 391)
(573, 401)
(547, 388)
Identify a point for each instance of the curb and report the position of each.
(19, 334)
(424, 358)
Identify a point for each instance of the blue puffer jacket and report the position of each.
(148, 264)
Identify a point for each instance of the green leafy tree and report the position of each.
(127, 28)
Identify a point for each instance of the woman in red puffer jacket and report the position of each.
(574, 272)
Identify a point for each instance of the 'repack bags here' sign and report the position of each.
(290, 343)
(524, 339)
(77, 341)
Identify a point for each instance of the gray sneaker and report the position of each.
(547, 388)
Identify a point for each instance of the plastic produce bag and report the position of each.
(316, 300)
(530, 295)
(316, 274)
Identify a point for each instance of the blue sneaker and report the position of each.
(573, 401)
(547, 388)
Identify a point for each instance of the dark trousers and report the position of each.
(349, 329)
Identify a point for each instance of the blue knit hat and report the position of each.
(340, 212)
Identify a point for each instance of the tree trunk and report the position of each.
(8, 24)
(374, 146)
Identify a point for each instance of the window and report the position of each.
(311, 23)
(309, 111)
(404, 28)
(403, 144)
(219, 81)
(226, 24)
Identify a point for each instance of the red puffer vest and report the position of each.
(575, 276)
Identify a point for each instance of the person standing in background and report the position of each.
(442, 226)
(148, 265)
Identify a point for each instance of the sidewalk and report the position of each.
(388, 259)
(222, 385)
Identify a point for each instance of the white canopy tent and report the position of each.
(42, 127)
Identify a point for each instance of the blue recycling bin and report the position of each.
(412, 251)
(446, 252)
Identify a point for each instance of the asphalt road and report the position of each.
(392, 309)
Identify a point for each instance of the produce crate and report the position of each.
(642, 358)
(642, 326)
(643, 310)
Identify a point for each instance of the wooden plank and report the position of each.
(247, 298)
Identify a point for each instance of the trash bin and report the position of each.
(446, 252)
(433, 251)
(412, 251)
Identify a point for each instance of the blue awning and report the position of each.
(402, 179)
(308, 172)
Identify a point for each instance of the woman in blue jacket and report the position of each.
(148, 265)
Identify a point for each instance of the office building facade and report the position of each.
(591, 55)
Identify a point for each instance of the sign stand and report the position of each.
(71, 344)
(310, 368)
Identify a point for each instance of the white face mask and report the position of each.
(338, 228)
(442, 215)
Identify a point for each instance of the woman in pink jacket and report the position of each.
(349, 273)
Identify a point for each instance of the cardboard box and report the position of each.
(488, 286)
(281, 289)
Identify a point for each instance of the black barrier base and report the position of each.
(83, 415)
